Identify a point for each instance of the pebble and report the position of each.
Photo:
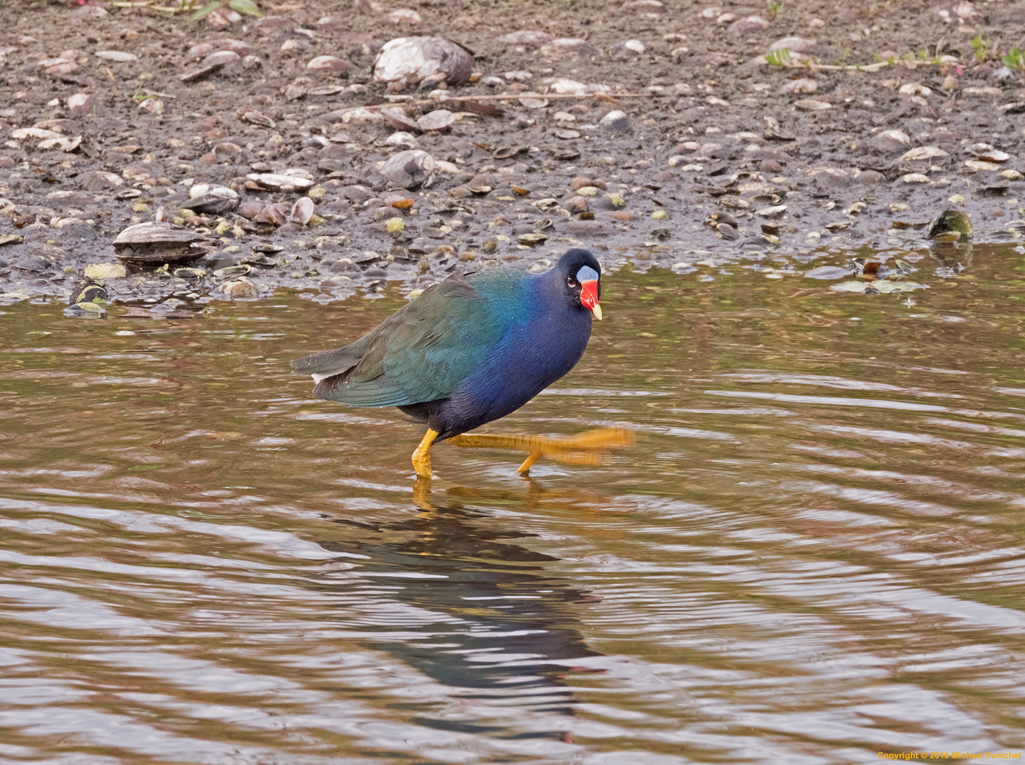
(921, 153)
(105, 271)
(801, 85)
(568, 48)
(117, 56)
(330, 64)
(801, 45)
(528, 37)
(812, 105)
(747, 25)
(413, 59)
(890, 140)
(616, 121)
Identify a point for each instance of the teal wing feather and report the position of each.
(420, 353)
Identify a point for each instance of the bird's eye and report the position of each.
(571, 282)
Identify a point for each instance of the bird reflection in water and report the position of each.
(511, 630)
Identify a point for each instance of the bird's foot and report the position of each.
(588, 448)
(422, 455)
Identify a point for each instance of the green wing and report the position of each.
(422, 352)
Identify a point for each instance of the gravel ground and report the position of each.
(656, 135)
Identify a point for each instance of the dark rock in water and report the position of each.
(951, 225)
(89, 291)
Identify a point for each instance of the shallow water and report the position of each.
(813, 554)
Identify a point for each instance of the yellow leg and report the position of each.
(421, 457)
(587, 448)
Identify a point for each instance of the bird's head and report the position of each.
(581, 277)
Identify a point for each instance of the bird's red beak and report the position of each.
(589, 298)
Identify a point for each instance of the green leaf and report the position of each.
(245, 6)
(210, 7)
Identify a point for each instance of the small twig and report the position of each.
(110, 74)
(161, 8)
(503, 97)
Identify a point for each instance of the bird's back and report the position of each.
(427, 348)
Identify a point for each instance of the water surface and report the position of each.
(814, 553)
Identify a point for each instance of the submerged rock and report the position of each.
(951, 225)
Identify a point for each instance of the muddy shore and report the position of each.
(107, 119)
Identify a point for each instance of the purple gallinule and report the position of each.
(472, 349)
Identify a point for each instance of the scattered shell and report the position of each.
(152, 244)
(48, 139)
(568, 47)
(212, 200)
(533, 239)
(920, 153)
(800, 85)
(212, 63)
(533, 100)
(117, 56)
(240, 289)
(57, 67)
(812, 105)
(888, 140)
(405, 16)
(331, 65)
(980, 166)
(280, 181)
(409, 169)
(915, 89)
(302, 211)
(747, 25)
(528, 37)
(274, 214)
(795, 45)
(414, 58)
(439, 119)
(506, 152)
(255, 118)
(151, 105)
(987, 153)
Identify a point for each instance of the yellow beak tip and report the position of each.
(596, 311)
